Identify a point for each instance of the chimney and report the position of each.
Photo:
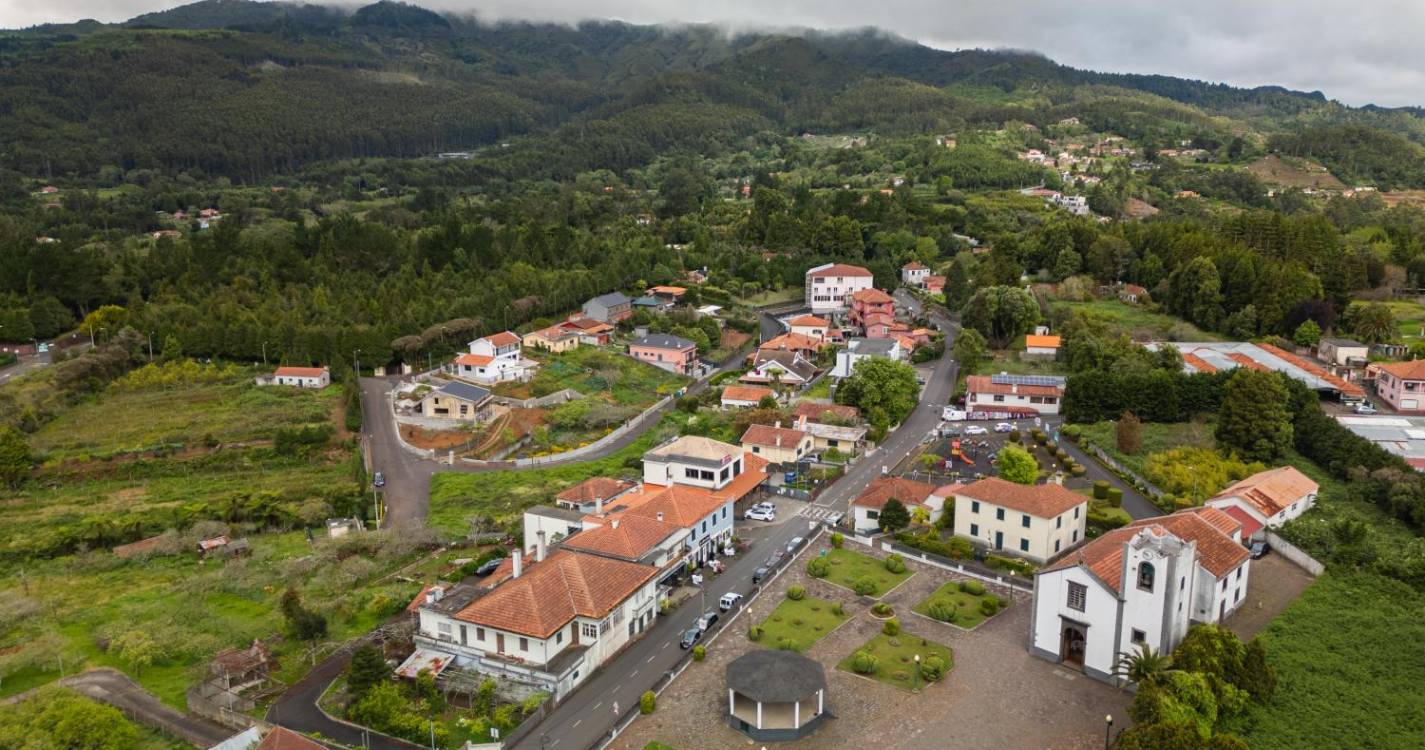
(660, 515)
(539, 546)
(779, 424)
(519, 563)
(779, 440)
(613, 524)
(802, 423)
(598, 505)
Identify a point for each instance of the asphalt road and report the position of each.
(24, 366)
(297, 710)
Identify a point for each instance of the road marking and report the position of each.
(600, 703)
(634, 673)
(577, 723)
(651, 658)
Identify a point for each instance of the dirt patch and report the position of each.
(439, 440)
(1274, 583)
(1138, 209)
(1404, 197)
(1292, 172)
(733, 340)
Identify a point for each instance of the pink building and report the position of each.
(1402, 385)
(672, 353)
(872, 307)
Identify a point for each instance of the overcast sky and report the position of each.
(1358, 52)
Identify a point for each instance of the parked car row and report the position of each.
(763, 511)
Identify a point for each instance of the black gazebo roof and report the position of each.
(775, 676)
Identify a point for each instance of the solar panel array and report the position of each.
(1047, 380)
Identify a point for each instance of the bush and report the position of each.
(837, 609)
(796, 593)
(699, 652)
(932, 668)
(865, 586)
(1014, 436)
(973, 588)
(1100, 489)
(881, 608)
(891, 627)
(1115, 497)
(943, 611)
(837, 539)
(647, 703)
(1061, 454)
(754, 633)
(1072, 432)
(895, 564)
(957, 548)
(1078, 470)
(989, 605)
(863, 663)
(818, 567)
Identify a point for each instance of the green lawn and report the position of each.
(967, 605)
(772, 297)
(455, 497)
(819, 389)
(1014, 363)
(593, 370)
(1350, 671)
(1155, 438)
(124, 421)
(847, 567)
(895, 657)
(1139, 322)
(797, 624)
(1409, 319)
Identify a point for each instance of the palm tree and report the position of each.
(1143, 666)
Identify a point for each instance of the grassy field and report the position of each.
(75, 608)
(773, 297)
(1156, 437)
(967, 605)
(1139, 322)
(127, 421)
(1350, 673)
(895, 657)
(1409, 319)
(847, 567)
(797, 624)
(455, 497)
(1293, 172)
(594, 371)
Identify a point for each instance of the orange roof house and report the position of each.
(745, 395)
(1042, 500)
(548, 595)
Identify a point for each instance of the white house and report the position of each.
(744, 396)
(777, 367)
(544, 628)
(634, 538)
(859, 349)
(693, 461)
(299, 377)
(1036, 522)
(1267, 499)
(1041, 345)
(1013, 395)
(829, 286)
(866, 508)
(555, 523)
(1144, 583)
(914, 274)
(494, 359)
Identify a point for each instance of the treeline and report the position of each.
(1359, 154)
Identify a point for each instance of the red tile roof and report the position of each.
(594, 489)
(503, 338)
(810, 321)
(983, 384)
(1412, 370)
(550, 594)
(1248, 362)
(281, 738)
(473, 360)
(773, 437)
(1042, 500)
(1245, 521)
(907, 491)
(1346, 388)
(751, 393)
(840, 269)
(1048, 342)
(795, 342)
(300, 372)
(626, 535)
(1224, 522)
(1198, 363)
(1216, 551)
(1272, 491)
(588, 325)
(676, 504)
(871, 297)
(914, 265)
(672, 291)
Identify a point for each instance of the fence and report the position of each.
(1294, 554)
(221, 706)
(1113, 465)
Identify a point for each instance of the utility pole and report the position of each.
(354, 352)
(150, 346)
(264, 355)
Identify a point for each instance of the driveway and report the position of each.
(116, 689)
(1274, 583)
(297, 708)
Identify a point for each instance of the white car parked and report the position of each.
(975, 429)
(759, 514)
(1004, 427)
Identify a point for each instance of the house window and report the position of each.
(524, 644)
(1057, 542)
(1074, 537)
(1145, 576)
(559, 636)
(443, 631)
(463, 640)
(1059, 522)
(873, 514)
(705, 526)
(1024, 520)
(1078, 596)
(999, 399)
(1023, 544)
(693, 473)
(1224, 584)
(479, 634)
(974, 529)
(590, 630)
(974, 506)
(1076, 513)
(1239, 574)
(1139, 636)
(1182, 583)
(755, 449)
(999, 514)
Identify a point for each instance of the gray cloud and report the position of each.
(1359, 53)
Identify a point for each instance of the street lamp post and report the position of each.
(917, 674)
(1107, 730)
(355, 352)
(264, 355)
(150, 346)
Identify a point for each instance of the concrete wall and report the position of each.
(1294, 554)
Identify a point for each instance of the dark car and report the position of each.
(378, 480)
(489, 567)
(1259, 549)
(690, 636)
(759, 574)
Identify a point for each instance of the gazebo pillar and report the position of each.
(820, 701)
(731, 701)
(759, 714)
(797, 714)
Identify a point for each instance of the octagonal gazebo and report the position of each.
(775, 695)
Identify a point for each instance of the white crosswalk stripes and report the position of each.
(815, 513)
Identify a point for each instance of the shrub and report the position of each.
(1061, 454)
(1100, 489)
(1014, 436)
(754, 633)
(1078, 470)
(932, 668)
(817, 567)
(895, 564)
(837, 539)
(891, 627)
(943, 611)
(973, 588)
(1114, 497)
(647, 702)
(837, 609)
(865, 586)
(699, 653)
(989, 605)
(954, 547)
(881, 608)
(863, 663)
(796, 593)
(786, 644)
(1197, 472)
(1072, 431)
